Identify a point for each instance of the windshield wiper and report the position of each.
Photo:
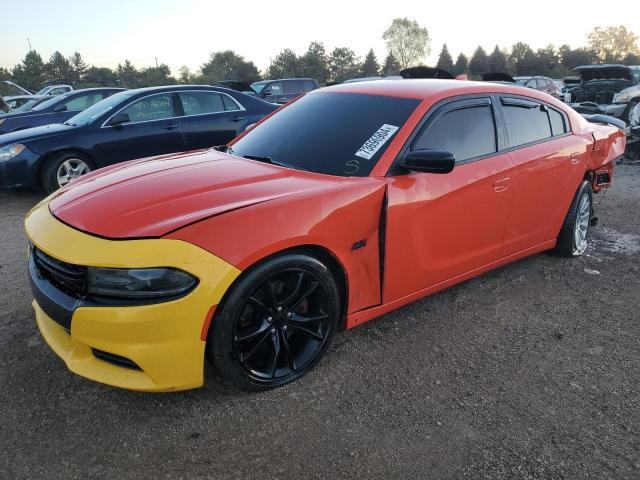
(259, 158)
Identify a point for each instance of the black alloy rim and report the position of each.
(283, 325)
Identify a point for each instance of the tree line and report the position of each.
(407, 43)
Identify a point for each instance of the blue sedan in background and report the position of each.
(127, 125)
(55, 109)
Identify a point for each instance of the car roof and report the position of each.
(168, 88)
(117, 89)
(424, 89)
(284, 79)
(602, 65)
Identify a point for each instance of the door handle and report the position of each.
(575, 158)
(237, 119)
(171, 127)
(502, 184)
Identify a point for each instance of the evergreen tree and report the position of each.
(30, 73)
(445, 61)
(497, 61)
(128, 76)
(78, 68)
(479, 62)
(370, 66)
(390, 66)
(461, 66)
(58, 69)
(343, 64)
(314, 63)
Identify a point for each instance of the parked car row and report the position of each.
(19, 95)
(612, 90)
(73, 134)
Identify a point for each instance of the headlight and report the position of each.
(138, 283)
(620, 98)
(9, 151)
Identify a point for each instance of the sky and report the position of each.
(185, 32)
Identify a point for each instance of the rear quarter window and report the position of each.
(558, 123)
(527, 121)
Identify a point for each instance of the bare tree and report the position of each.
(407, 41)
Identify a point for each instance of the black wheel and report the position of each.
(572, 241)
(61, 168)
(276, 323)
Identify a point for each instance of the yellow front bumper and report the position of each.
(163, 339)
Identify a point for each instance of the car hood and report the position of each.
(593, 73)
(34, 133)
(155, 196)
(632, 90)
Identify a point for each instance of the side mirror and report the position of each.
(429, 161)
(60, 108)
(119, 119)
(266, 93)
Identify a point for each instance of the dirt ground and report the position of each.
(529, 371)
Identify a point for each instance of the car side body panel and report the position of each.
(545, 178)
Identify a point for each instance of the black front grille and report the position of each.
(69, 278)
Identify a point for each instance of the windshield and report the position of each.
(342, 134)
(258, 86)
(43, 91)
(98, 109)
(46, 104)
(521, 80)
(29, 104)
(636, 74)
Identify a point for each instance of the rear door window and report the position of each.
(467, 132)
(307, 85)
(82, 102)
(201, 103)
(275, 88)
(526, 121)
(292, 87)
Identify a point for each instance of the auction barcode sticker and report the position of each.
(371, 146)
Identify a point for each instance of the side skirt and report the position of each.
(362, 316)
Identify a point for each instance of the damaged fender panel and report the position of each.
(346, 228)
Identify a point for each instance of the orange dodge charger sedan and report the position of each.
(345, 204)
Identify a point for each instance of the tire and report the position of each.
(63, 167)
(276, 323)
(626, 116)
(572, 241)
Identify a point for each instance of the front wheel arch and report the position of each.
(217, 353)
(44, 161)
(320, 253)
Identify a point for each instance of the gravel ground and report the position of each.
(529, 371)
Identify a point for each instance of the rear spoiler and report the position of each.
(606, 119)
